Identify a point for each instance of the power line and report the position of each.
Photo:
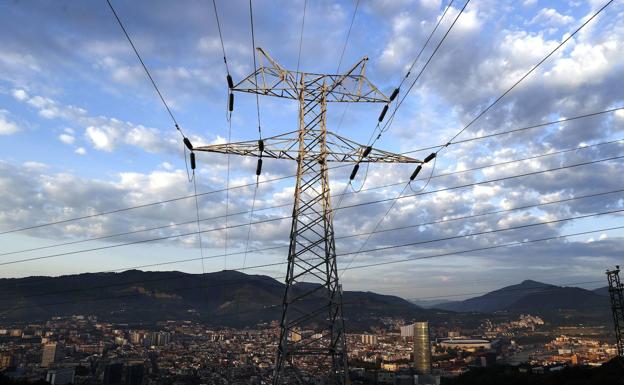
(558, 152)
(305, 5)
(415, 258)
(284, 205)
(494, 180)
(558, 121)
(267, 220)
(145, 205)
(390, 229)
(260, 142)
(493, 103)
(411, 243)
(570, 36)
(379, 222)
(409, 71)
(292, 176)
(253, 53)
(486, 213)
(372, 141)
(390, 120)
(136, 52)
(344, 47)
(199, 231)
(422, 70)
(227, 68)
(477, 249)
(487, 232)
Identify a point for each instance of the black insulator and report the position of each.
(261, 145)
(383, 113)
(259, 167)
(231, 102)
(429, 157)
(354, 171)
(230, 82)
(394, 94)
(415, 173)
(193, 165)
(367, 151)
(188, 144)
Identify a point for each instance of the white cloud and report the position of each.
(587, 64)
(528, 3)
(102, 138)
(7, 127)
(35, 166)
(105, 133)
(550, 17)
(81, 151)
(20, 95)
(66, 138)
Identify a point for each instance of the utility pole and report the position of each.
(617, 306)
(312, 344)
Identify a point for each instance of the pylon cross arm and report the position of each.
(286, 146)
(272, 79)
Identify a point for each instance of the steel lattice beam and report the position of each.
(617, 306)
(312, 344)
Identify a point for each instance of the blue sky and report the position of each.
(82, 131)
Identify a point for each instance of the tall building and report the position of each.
(422, 348)
(407, 331)
(160, 338)
(51, 353)
(134, 373)
(369, 339)
(61, 376)
(112, 373)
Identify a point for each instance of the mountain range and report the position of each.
(551, 301)
(225, 298)
(230, 298)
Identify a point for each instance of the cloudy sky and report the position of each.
(83, 132)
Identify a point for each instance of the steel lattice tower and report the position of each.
(617, 306)
(312, 342)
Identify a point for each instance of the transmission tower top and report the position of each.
(272, 79)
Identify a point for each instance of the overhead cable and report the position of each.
(292, 176)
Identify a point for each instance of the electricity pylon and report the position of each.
(616, 295)
(312, 344)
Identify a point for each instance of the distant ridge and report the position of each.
(551, 301)
(497, 300)
(225, 298)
